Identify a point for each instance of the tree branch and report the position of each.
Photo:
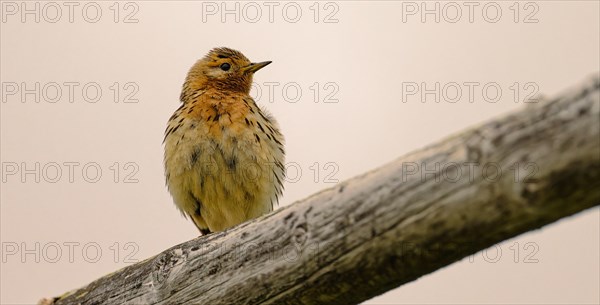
(391, 225)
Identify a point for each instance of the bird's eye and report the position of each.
(225, 66)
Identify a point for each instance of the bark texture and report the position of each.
(389, 226)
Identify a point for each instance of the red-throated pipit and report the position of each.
(223, 155)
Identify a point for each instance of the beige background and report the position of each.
(367, 55)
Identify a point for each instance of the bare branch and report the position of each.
(391, 225)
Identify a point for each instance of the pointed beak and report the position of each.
(253, 67)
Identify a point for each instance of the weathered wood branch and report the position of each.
(391, 225)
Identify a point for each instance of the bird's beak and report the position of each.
(253, 67)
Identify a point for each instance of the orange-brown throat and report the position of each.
(194, 86)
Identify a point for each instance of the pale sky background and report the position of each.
(364, 57)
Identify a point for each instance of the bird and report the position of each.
(224, 155)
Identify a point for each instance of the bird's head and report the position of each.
(223, 69)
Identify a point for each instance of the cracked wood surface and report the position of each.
(389, 226)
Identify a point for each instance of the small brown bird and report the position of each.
(223, 154)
